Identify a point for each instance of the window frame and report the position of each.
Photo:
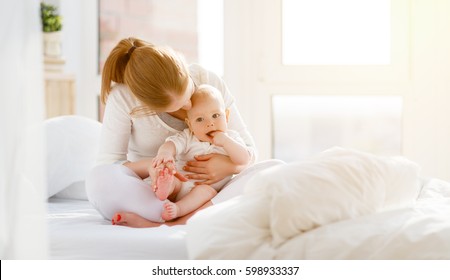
(273, 70)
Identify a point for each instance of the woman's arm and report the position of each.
(116, 132)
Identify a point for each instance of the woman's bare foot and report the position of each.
(132, 220)
(170, 211)
(164, 184)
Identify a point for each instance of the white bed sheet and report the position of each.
(78, 232)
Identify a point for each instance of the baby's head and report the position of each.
(208, 113)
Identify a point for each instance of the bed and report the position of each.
(78, 232)
(381, 209)
(342, 205)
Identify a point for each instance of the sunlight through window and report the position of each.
(307, 125)
(336, 32)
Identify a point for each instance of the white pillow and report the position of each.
(338, 184)
(71, 148)
(75, 190)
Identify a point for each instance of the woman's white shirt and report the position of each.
(130, 138)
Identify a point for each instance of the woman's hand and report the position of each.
(144, 168)
(156, 170)
(210, 168)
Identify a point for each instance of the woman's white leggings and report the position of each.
(115, 188)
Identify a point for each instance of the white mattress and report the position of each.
(77, 231)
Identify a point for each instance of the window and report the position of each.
(336, 32)
(306, 125)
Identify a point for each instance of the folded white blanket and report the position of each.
(287, 200)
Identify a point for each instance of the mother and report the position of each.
(147, 90)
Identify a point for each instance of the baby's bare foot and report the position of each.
(164, 184)
(170, 211)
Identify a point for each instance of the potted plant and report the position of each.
(51, 26)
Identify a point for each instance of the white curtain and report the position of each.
(23, 232)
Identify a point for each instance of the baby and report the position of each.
(207, 133)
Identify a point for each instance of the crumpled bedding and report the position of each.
(342, 204)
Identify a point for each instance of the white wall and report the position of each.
(80, 49)
(427, 118)
(419, 73)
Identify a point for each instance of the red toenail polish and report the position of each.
(118, 217)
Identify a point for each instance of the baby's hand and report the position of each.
(162, 159)
(219, 138)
